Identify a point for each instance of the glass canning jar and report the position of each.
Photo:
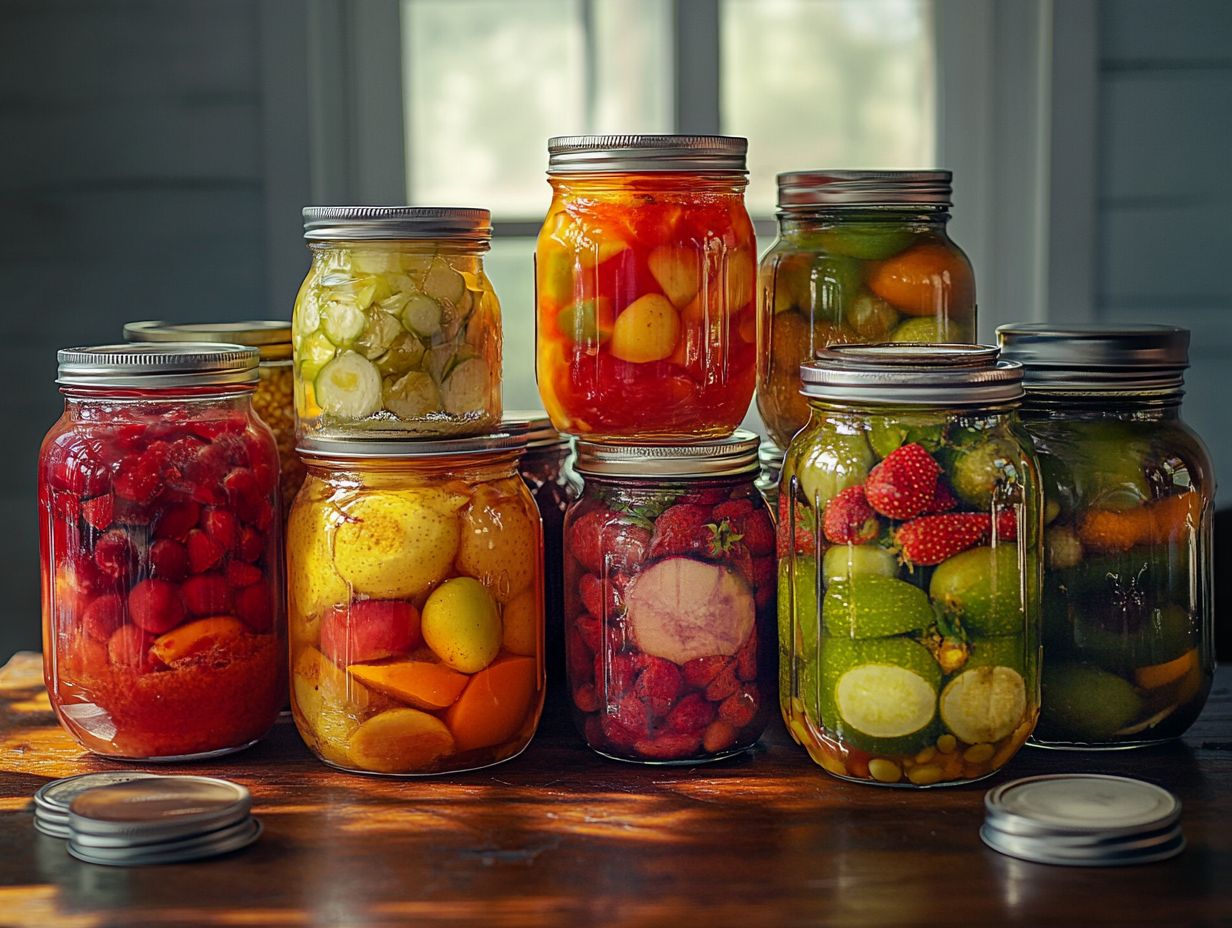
(548, 471)
(669, 600)
(862, 256)
(909, 573)
(272, 400)
(163, 635)
(396, 328)
(644, 281)
(416, 604)
(1129, 496)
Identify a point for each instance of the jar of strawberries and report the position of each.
(163, 635)
(669, 600)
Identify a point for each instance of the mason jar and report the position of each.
(396, 328)
(272, 400)
(160, 543)
(416, 604)
(909, 579)
(770, 459)
(861, 256)
(669, 600)
(644, 284)
(1129, 499)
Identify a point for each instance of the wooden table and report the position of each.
(560, 837)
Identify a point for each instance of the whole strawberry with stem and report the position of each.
(930, 540)
(904, 484)
(849, 519)
(802, 539)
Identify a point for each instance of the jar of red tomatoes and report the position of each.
(670, 600)
(163, 633)
(644, 274)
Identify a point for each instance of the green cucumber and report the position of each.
(314, 353)
(404, 354)
(841, 562)
(1084, 703)
(983, 588)
(412, 396)
(443, 283)
(984, 704)
(870, 241)
(379, 333)
(870, 317)
(467, 388)
(349, 387)
(422, 315)
(342, 322)
(871, 606)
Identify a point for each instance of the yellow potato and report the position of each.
(461, 625)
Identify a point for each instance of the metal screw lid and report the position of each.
(1061, 358)
(811, 189)
(511, 438)
(158, 808)
(620, 154)
(909, 374)
(154, 365)
(722, 457)
(540, 433)
(397, 223)
(271, 337)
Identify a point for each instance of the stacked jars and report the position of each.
(414, 548)
(909, 565)
(160, 542)
(1129, 490)
(644, 275)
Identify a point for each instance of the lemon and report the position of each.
(461, 625)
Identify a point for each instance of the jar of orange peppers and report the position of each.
(644, 274)
(862, 256)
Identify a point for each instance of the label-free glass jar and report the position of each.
(163, 635)
(396, 329)
(669, 600)
(862, 256)
(272, 399)
(416, 604)
(909, 577)
(644, 282)
(1129, 495)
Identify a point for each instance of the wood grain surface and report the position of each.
(560, 837)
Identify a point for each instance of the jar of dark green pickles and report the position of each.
(862, 256)
(1128, 621)
(909, 565)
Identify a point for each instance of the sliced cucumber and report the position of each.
(342, 322)
(307, 318)
(349, 386)
(417, 266)
(467, 387)
(984, 704)
(315, 352)
(844, 561)
(443, 283)
(376, 262)
(422, 315)
(379, 333)
(393, 305)
(404, 354)
(412, 396)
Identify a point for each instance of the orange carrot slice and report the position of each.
(423, 684)
(494, 705)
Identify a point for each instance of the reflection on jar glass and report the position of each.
(909, 572)
(160, 543)
(416, 604)
(862, 256)
(1129, 491)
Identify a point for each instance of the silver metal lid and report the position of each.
(1125, 853)
(621, 154)
(722, 457)
(168, 364)
(811, 189)
(770, 454)
(56, 797)
(1060, 358)
(909, 374)
(397, 223)
(272, 338)
(222, 841)
(1082, 802)
(540, 433)
(511, 438)
(158, 808)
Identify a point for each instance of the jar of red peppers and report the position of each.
(273, 400)
(670, 600)
(547, 470)
(163, 633)
(862, 256)
(644, 274)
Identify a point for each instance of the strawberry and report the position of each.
(615, 676)
(904, 484)
(625, 545)
(943, 499)
(849, 519)
(114, 554)
(103, 616)
(681, 529)
(746, 657)
(155, 606)
(590, 590)
(802, 540)
(751, 523)
(719, 736)
(138, 478)
(252, 605)
(168, 560)
(129, 648)
(81, 469)
(701, 670)
(691, 714)
(931, 539)
(176, 520)
(740, 707)
(633, 714)
(1007, 524)
(222, 527)
(724, 684)
(578, 660)
(659, 684)
(585, 541)
(590, 630)
(618, 734)
(669, 746)
(203, 552)
(205, 594)
(250, 546)
(239, 574)
(98, 512)
(585, 698)
(732, 509)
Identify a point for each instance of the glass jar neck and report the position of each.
(658, 484)
(1159, 405)
(327, 250)
(826, 408)
(805, 219)
(80, 402)
(600, 185)
(470, 468)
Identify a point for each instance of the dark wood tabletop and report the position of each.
(559, 836)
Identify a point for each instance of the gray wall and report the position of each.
(1164, 236)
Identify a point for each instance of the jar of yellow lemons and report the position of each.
(415, 575)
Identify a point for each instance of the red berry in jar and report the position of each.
(160, 555)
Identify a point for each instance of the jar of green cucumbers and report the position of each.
(909, 570)
(396, 329)
(1128, 608)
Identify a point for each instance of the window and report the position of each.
(812, 83)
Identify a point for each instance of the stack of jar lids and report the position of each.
(1083, 820)
(130, 819)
